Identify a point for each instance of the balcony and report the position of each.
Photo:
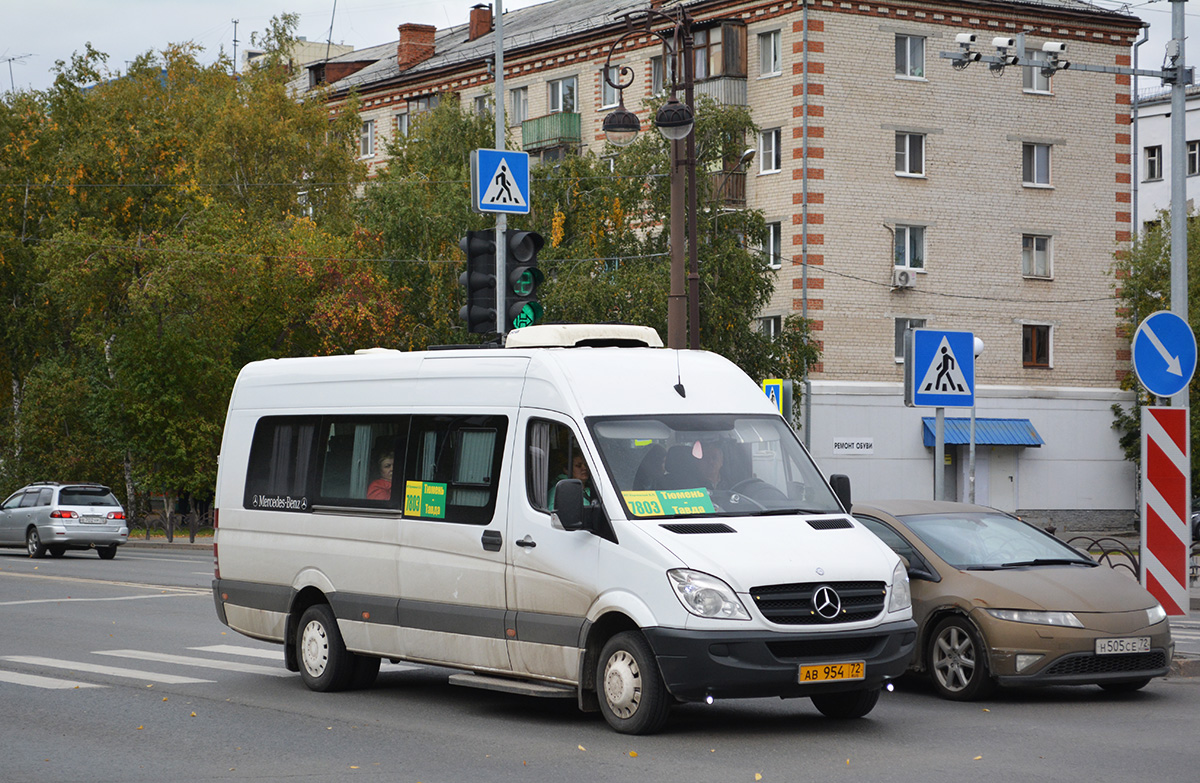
(730, 190)
(553, 130)
(725, 90)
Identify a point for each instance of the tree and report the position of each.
(1142, 277)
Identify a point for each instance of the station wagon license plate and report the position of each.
(1132, 644)
(826, 672)
(91, 520)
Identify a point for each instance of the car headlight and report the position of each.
(1156, 614)
(901, 594)
(706, 596)
(1064, 619)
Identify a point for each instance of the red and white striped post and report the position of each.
(1166, 490)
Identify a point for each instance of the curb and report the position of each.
(162, 543)
(1185, 667)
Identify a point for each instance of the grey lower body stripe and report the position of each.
(533, 627)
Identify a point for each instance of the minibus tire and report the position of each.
(846, 705)
(325, 664)
(630, 687)
(366, 669)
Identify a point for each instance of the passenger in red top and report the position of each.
(381, 488)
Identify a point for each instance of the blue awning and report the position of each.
(988, 432)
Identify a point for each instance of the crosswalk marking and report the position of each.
(252, 652)
(207, 663)
(113, 671)
(51, 683)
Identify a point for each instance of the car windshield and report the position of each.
(990, 540)
(710, 465)
(86, 496)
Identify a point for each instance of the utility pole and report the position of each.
(235, 43)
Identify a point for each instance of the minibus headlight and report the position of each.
(901, 594)
(706, 596)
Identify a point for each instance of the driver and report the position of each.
(712, 459)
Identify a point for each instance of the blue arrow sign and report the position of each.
(500, 181)
(943, 369)
(1164, 353)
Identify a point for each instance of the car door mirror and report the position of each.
(568, 504)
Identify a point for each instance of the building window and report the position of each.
(770, 53)
(1193, 158)
(719, 51)
(773, 245)
(366, 139)
(660, 79)
(519, 101)
(562, 95)
(402, 125)
(770, 158)
(910, 247)
(609, 95)
(483, 105)
(771, 326)
(1035, 255)
(1154, 159)
(1035, 345)
(1033, 80)
(1035, 164)
(425, 103)
(902, 326)
(910, 56)
(910, 154)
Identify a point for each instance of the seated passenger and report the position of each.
(650, 472)
(381, 488)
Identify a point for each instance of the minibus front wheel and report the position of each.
(630, 687)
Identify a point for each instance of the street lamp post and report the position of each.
(675, 121)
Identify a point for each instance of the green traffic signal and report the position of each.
(521, 307)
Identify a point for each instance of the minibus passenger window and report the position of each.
(453, 467)
(281, 457)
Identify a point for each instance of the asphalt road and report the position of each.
(119, 671)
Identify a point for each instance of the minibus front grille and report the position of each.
(792, 604)
(693, 528)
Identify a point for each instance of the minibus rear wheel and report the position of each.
(325, 664)
(629, 685)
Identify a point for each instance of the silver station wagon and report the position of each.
(51, 517)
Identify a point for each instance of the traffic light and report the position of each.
(521, 307)
(479, 282)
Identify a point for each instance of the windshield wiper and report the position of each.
(1043, 561)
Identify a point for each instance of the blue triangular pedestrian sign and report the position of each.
(500, 181)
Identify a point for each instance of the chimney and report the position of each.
(415, 45)
(481, 21)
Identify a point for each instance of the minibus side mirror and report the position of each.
(840, 483)
(568, 504)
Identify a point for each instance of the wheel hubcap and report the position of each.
(33, 542)
(954, 659)
(622, 684)
(314, 648)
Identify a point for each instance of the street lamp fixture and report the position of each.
(675, 120)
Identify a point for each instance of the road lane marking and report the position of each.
(253, 652)
(50, 683)
(112, 671)
(141, 585)
(72, 600)
(206, 663)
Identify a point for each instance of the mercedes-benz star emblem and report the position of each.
(826, 602)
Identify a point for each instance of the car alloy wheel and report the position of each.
(958, 661)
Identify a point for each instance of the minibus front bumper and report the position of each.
(748, 664)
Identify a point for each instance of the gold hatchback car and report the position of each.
(997, 600)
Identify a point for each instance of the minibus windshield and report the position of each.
(710, 465)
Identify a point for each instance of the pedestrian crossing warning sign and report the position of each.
(941, 369)
(500, 181)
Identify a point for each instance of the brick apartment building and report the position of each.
(997, 200)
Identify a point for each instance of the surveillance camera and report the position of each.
(965, 38)
(973, 57)
(1004, 43)
(1054, 47)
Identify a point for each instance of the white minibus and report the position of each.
(581, 514)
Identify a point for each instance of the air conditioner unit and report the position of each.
(903, 278)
